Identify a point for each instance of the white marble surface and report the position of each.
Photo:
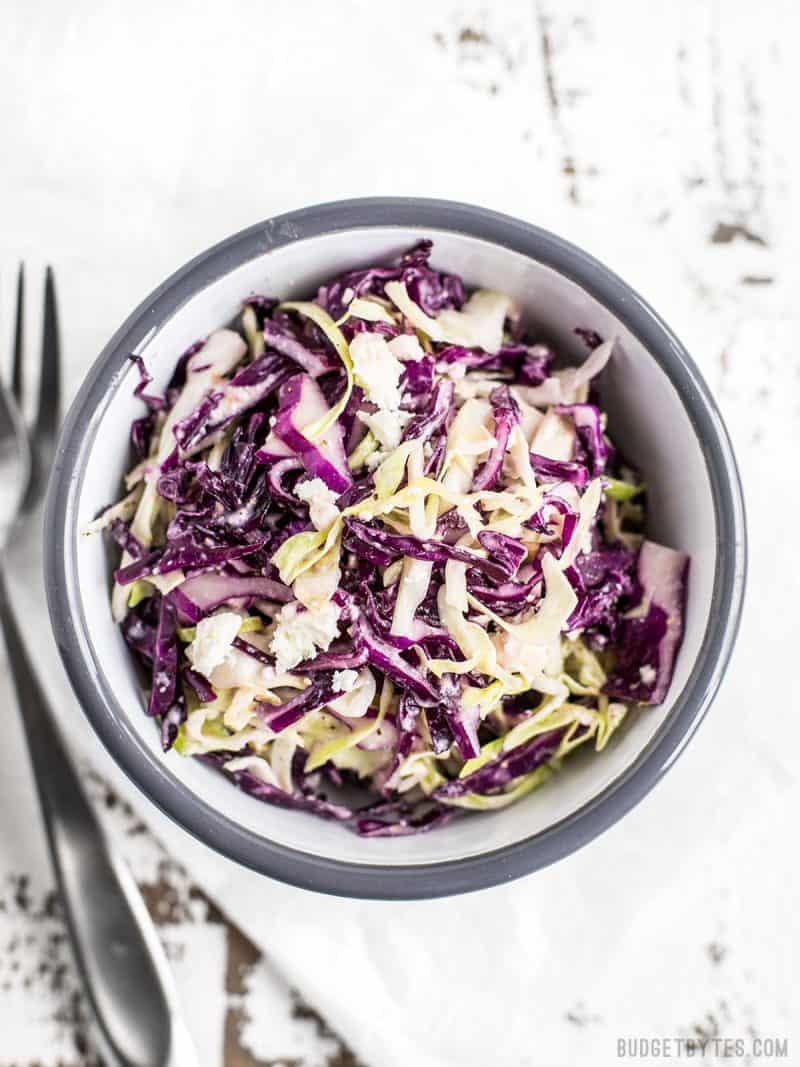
(660, 137)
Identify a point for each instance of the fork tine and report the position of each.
(17, 375)
(47, 414)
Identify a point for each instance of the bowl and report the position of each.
(660, 411)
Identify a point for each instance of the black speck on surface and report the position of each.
(468, 35)
(581, 1016)
(716, 952)
(22, 892)
(724, 233)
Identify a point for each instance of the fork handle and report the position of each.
(116, 947)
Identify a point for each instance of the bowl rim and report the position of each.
(384, 881)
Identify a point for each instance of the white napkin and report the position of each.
(613, 941)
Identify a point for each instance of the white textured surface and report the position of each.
(660, 137)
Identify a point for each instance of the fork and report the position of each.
(124, 970)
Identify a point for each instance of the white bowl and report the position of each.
(660, 412)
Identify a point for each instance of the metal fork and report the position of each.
(124, 970)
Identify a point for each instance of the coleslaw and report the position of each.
(380, 560)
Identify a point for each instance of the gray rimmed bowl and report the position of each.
(660, 412)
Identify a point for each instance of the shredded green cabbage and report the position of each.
(321, 318)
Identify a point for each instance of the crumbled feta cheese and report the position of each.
(356, 702)
(300, 634)
(406, 347)
(387, 426)
(213, 639)
(455, 370)
(344, 681)
(321, 501)
(647, 674)
(377, 369)
(241, 670)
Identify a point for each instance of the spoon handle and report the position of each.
(124, 970)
